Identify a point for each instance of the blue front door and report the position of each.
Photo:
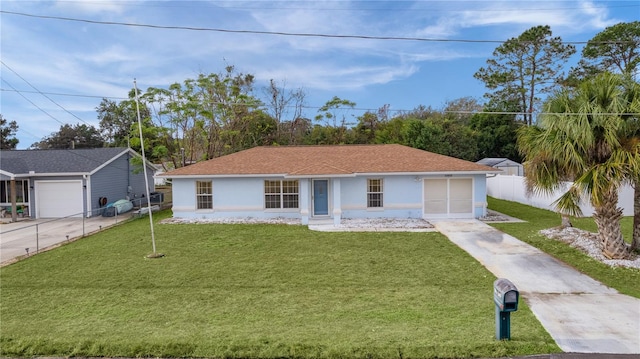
(320, 198)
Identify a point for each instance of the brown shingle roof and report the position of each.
(328, 160)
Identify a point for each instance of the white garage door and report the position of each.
(448, 198)
(56, 199)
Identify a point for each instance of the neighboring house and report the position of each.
(61, 183)
(330, 182)
(508, 166)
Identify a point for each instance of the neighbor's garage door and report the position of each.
(448, 198)
(56, 199)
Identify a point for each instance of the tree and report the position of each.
(631, 138)
(522, 68)
(293, 132)
(421, 113)
(285, 107)
(581, 139)
(334, 114)
(76, 136)
(462, 109)
(204, 115)
(170, 109)
(441, 135)
(392, 131)
(8, 130)
(153, 136)
(614, 49)
(116, 119)
(496, 134)
(368, 124)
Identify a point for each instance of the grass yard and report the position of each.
(625, 280)
(256, 291)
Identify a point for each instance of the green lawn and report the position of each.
(625, 280)
(256, 291)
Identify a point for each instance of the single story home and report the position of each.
(70, 182)
(329, 183)
(508, 166)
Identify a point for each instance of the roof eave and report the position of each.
(230, 175)
(53, 174)
(322, 175)
(430, 173)
(330, 175)
(8, 174)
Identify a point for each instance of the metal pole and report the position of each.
(14, 207)
(144, 167)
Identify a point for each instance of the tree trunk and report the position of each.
(607, 216)
(635, 244)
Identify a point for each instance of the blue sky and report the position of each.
(56, 71)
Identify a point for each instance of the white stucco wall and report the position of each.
(402, 198)
(232, 197)
(244, 197)
(480, 195)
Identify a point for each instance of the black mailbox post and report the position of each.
(505, 297)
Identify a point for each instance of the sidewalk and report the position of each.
(581, 314)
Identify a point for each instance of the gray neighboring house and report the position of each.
(510, 168)
(71, 182)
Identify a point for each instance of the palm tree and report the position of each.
(631, 140)
(581, 138)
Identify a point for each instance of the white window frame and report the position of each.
(278, 194)
(372, 202)
(204, 198)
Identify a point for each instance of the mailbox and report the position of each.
(505, 295)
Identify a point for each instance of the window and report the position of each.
(22, 192)
(280, 194)
(374, 193)
(204, 195)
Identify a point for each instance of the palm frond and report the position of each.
(569, 202)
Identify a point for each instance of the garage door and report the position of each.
(56, 199)
(448, 198)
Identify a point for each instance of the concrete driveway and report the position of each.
(29, 236)
(581, 314)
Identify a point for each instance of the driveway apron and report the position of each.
(581, 314)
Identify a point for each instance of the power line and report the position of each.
(31, 102)
(41, 93)
(68, 94)
(280, 33)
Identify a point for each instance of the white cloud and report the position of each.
(333, 76)
(568, 17)
(111, 55)
(597, 18)
(91, 6)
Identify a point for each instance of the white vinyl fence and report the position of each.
(512, 188)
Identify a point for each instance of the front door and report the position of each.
(320, 197)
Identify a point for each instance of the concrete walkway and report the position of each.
(581, 314)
